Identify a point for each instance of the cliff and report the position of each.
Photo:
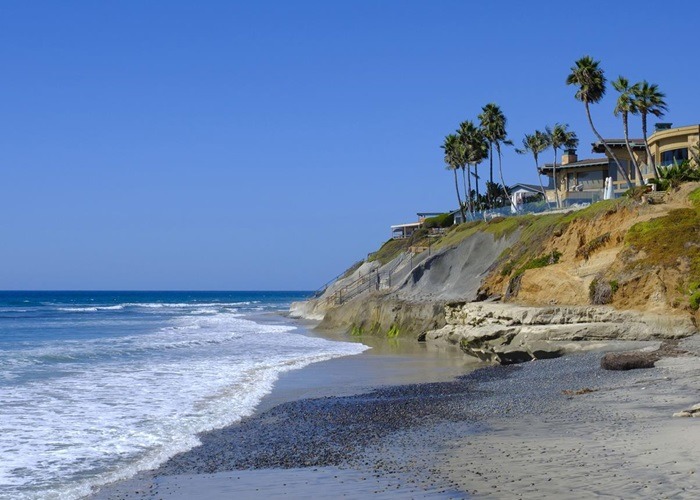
(629, 255)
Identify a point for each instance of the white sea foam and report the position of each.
(213, 306)
(91, 308)
(110, 407)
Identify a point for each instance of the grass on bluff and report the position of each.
(666, 240)
(390, 250)
(535, 230)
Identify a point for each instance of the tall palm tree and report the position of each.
(464, 133)
(624, 106)
(648, 99)
(476, 148)
(590, 80)
(560, 136)
(454, 156)
(493, 126)
(535, 144)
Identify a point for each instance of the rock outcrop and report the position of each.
(693, 411)
(507, 333)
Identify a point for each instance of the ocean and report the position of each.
(96, 386)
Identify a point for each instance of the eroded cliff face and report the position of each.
(385, 316)
(604, 259)
(411, 291)
(630, 255)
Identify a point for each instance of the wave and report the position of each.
(143, 403)
(181, 333)
(118, 307)
(155, 305)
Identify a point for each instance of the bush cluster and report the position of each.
(442, 220)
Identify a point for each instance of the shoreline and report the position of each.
(388, 362)
(502, 431)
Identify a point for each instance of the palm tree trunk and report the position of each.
(464, 186)
(488, 191)
(476, 180)
(650, 159)
(539, 178)
(554, 175)
(459, 199)
(629, 148)
(500, 171)
(607, 148)
(469, 181)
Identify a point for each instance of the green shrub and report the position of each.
(442, 220)
(637, 192)
(543, 261)
(507, 268)
(695, 300)
(674, 175)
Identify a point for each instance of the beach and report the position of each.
(405, 420)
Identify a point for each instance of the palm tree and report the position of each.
(454, 155)
(560, 136)
(535, 144)
(590, 80)
(475, 149)
(648, 99)
(624, 106)
(493, 125)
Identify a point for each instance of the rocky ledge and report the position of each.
(506, 333)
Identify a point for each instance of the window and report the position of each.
(612, 170)
(591, 180)
(673, 156)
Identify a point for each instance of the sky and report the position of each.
(268, 145)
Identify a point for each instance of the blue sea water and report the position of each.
(95, 386)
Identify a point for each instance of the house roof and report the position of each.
(401, 226)
(617, 143)
(527, 187)
(590, 162)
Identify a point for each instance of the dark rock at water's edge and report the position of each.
(640, 359)
(628, 360)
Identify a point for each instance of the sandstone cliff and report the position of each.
(629, 255)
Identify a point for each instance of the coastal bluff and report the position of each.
(532, 286)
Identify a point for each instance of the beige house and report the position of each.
(583, 181)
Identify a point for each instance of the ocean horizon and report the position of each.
(98, 385)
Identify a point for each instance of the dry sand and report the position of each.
(620, 441)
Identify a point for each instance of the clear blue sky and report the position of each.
(268, 145)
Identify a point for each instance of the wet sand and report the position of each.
(396, 423)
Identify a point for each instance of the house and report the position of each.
(522, 194)
(583, 181)
(401, 231)
(577, 181)
(666, 145)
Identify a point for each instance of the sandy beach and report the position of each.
(406, 421)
